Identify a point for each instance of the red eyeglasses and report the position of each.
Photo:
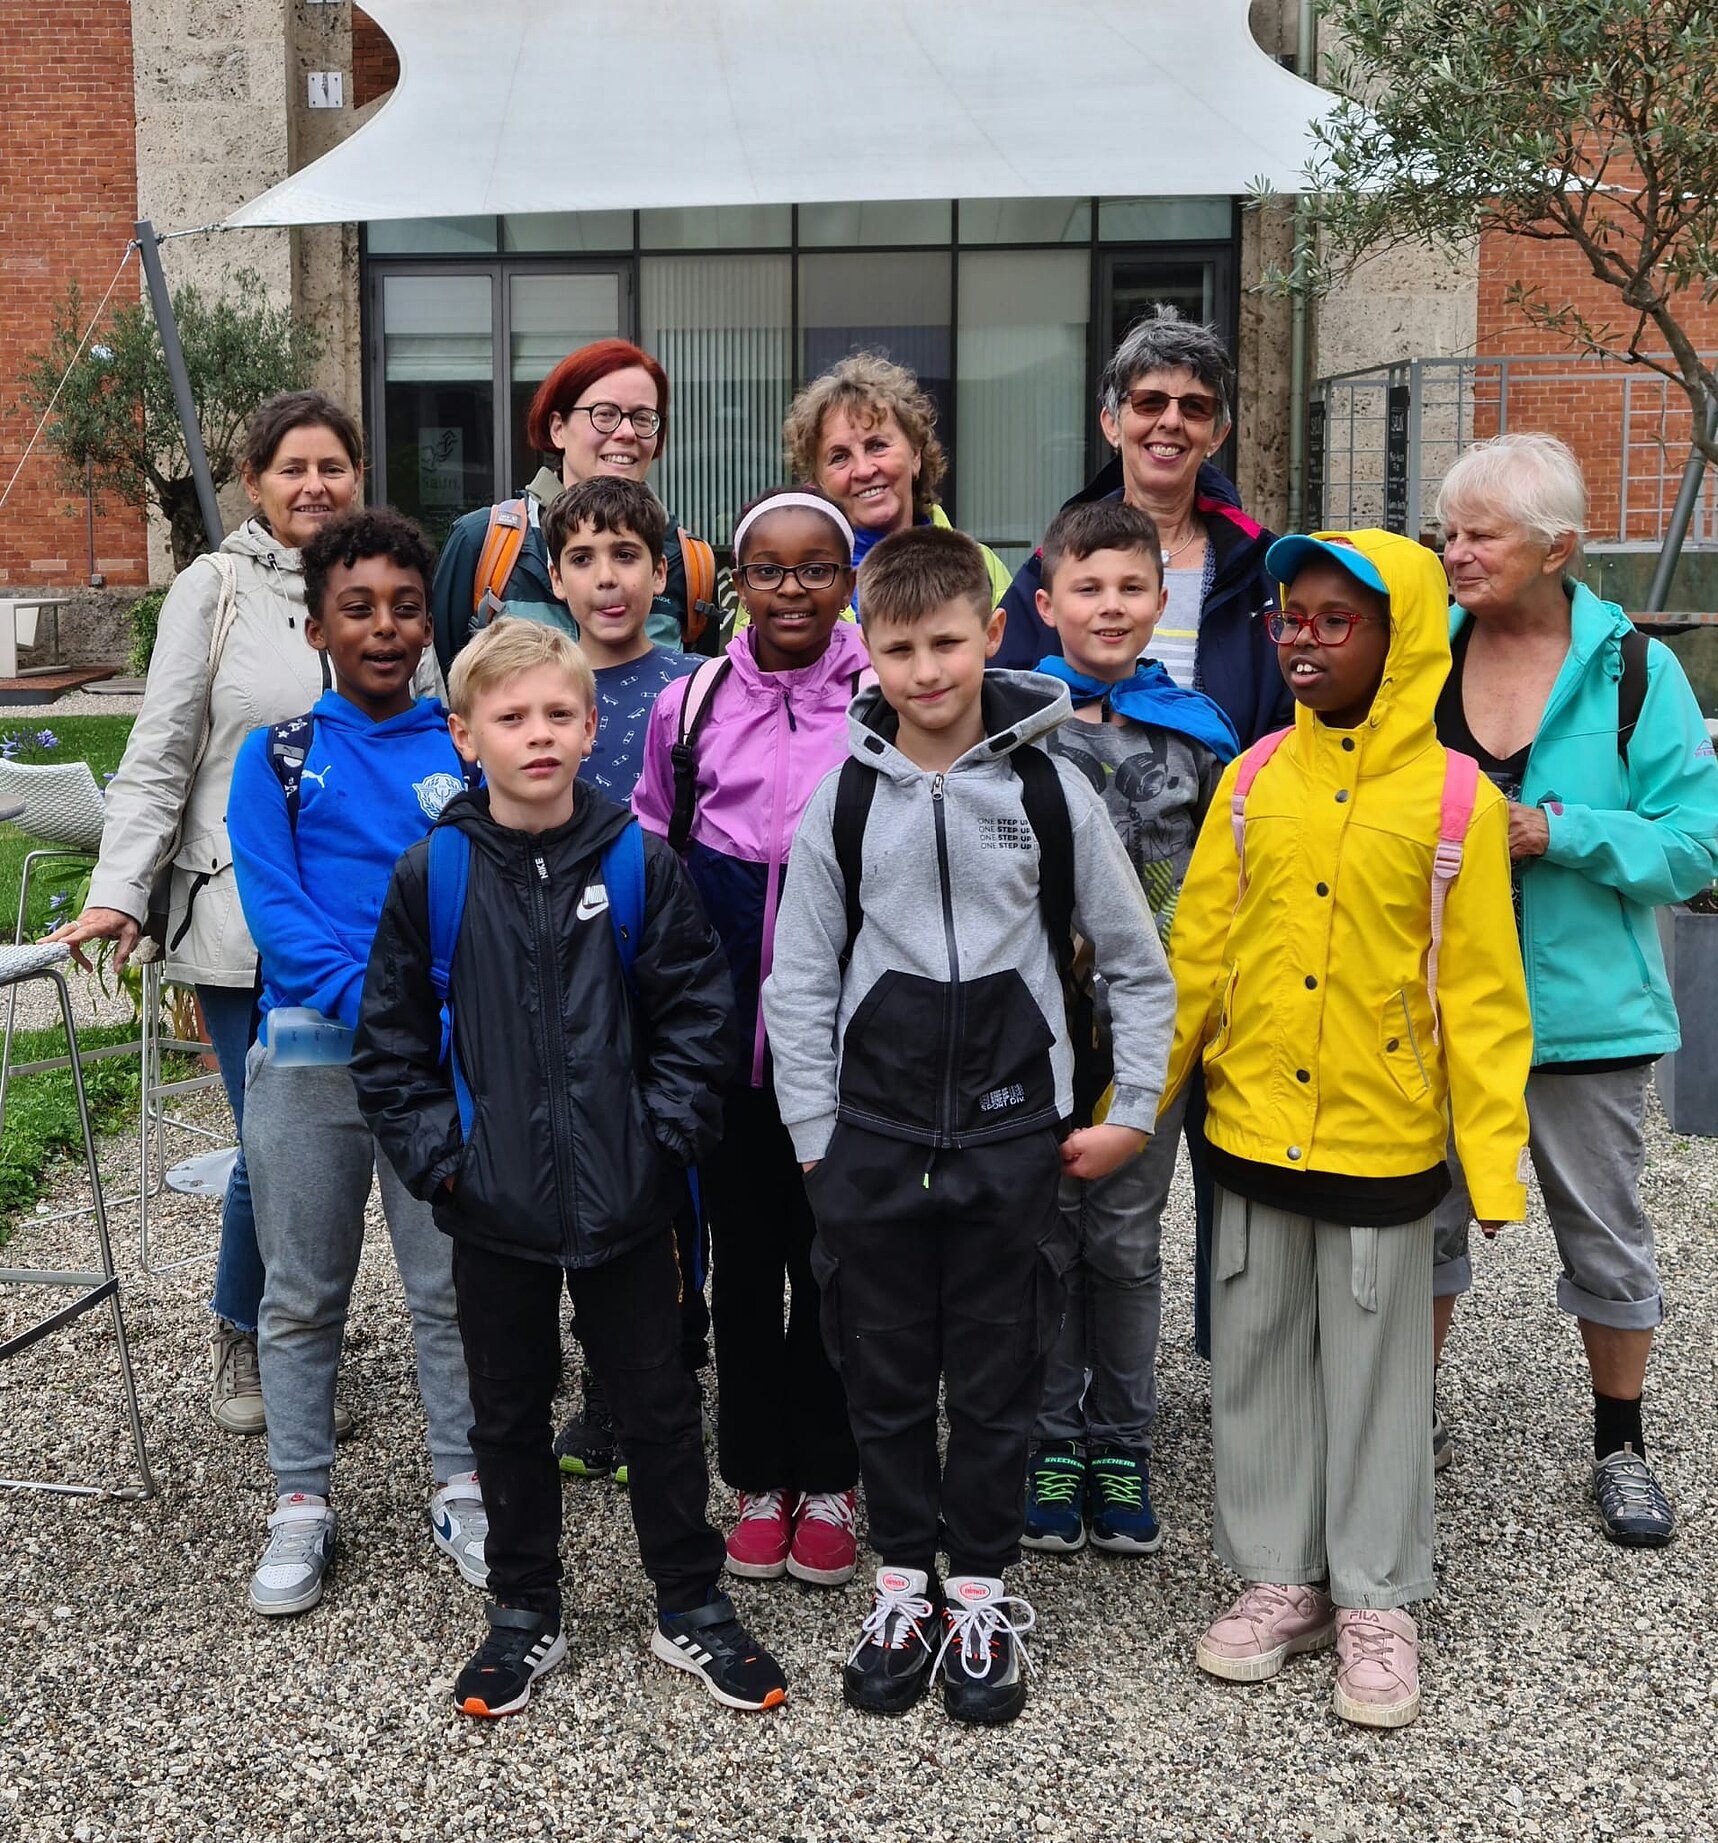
(1326, 629)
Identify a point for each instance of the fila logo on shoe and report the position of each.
(593, 902)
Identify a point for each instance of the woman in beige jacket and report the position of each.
(230, 655)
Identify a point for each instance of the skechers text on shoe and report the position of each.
(1377, 1667)
(522, 1645)
(1119, 1497)
(290, 1575)
(1056, 1499)
(824, 1550)
(1266, 1625)
(1632, 1504)
(984, 1661)
(460, 1524)
(890, 1667)
(758, 1546)
(710, 1642)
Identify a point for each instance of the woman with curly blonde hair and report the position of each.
(865, 433)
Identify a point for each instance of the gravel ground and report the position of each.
(1572, 1687)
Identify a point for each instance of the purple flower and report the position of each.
(46, 739)
(57, 902)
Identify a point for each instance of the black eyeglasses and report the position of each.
(1326, 629)
(770, 575)
(607, 417)
(1196, 406)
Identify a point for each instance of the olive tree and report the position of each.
(115, 415)
(1585, 122)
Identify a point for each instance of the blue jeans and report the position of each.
(230, 1012)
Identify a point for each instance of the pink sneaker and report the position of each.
(1267, 1624)
(1377, 1667)
(758, 1546)
(825, 1551)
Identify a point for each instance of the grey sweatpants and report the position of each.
(311, 1158)
(1321, 1403)
(1587, 1136)
(1101, 1388)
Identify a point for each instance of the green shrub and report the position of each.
(144, 617)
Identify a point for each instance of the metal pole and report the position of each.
(1681, 515)
(149, 248)
(1306, 61)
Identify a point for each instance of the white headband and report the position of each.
(809, 502)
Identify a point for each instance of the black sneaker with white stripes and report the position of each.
(521, 1645)
(711, 1643)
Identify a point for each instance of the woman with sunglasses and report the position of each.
(1166, 398)
(602, 410)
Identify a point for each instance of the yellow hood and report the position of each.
(1400, 724)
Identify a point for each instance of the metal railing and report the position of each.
(1381, 440)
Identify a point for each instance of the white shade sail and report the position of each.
(517, 106)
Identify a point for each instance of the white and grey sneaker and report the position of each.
(289, 1577)
(461, 1524)
(235, 1397)
(983, 1659)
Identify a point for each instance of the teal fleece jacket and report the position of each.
(1622, 844)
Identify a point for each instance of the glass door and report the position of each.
(550, 314)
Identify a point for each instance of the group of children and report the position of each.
(854, 951)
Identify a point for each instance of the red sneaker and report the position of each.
(825, 1551)
(758, 1546)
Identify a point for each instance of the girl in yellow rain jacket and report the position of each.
(1304, 984)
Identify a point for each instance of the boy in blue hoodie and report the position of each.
(321, 808)
(1153, 752)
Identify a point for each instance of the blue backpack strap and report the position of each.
(449, 873)
(288, 745)
(623, 879)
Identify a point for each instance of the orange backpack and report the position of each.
(505, 538)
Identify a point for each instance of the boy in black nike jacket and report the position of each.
(552, 1129)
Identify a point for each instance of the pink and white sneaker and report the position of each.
(1377, 1667)
(758, 1546)
(1265, 1626)
(825, 1550)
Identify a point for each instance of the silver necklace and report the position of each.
(1187, 543)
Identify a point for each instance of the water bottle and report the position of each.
(299, 1038)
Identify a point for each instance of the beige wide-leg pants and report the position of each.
(1321, 1403)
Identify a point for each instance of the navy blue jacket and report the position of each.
(1237, 663)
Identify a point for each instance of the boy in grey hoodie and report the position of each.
(923, 1067)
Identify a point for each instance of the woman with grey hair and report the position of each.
(1593, 736)
(1166, 406)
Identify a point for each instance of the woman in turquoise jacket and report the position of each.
(1593, 736)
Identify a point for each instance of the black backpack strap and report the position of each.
(1047, 814)
(853, 793)
(701, 689)
(288, 745)
(1631, 689)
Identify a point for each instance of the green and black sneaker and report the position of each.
(1056, 1499)
(587, 1446)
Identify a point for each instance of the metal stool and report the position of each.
(205, 1173)
(18, 965)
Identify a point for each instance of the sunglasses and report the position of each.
(1326, 629)
(1196, 405)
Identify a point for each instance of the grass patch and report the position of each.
(41, 1125)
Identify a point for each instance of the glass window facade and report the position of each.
(1005, 308)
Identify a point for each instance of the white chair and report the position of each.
(63, 808)
(18, 964)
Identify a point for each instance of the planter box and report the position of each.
(1688, 1080)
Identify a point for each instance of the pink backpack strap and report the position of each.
(1251, 762)
(1461, 788)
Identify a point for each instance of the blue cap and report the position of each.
(1287, 557)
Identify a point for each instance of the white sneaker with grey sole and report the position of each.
(289, 1577)
(461, 1525)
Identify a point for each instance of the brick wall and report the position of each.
(1588, 411)
(68, 197)
(375, 65)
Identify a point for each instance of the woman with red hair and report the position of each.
(603, 410)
